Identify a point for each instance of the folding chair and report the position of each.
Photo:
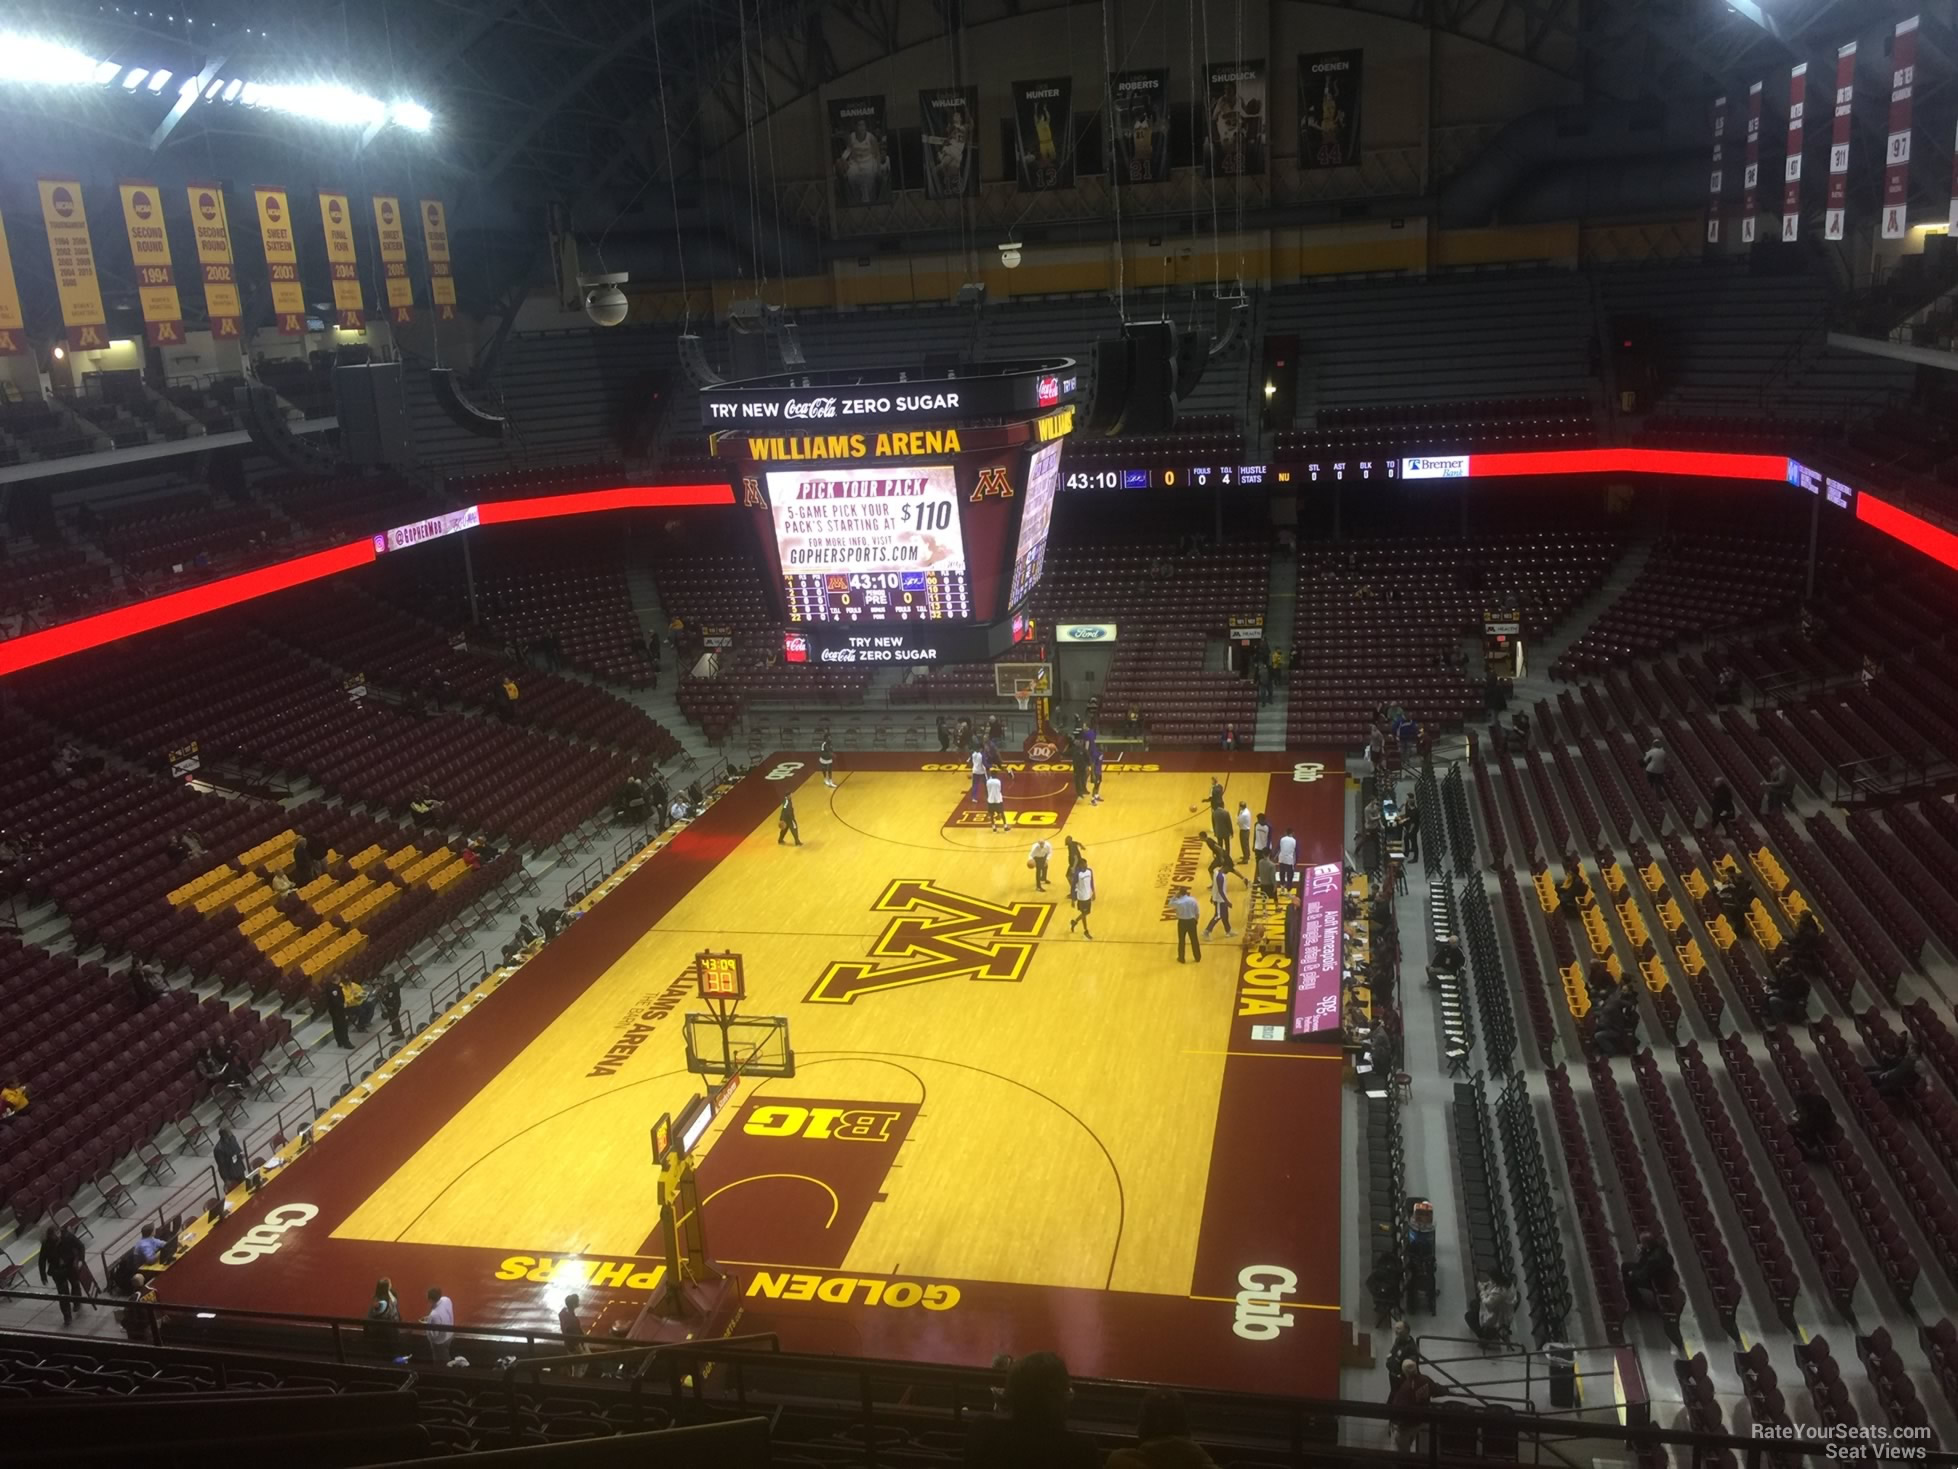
(194, 1136)
(115, 1198)
(154, 1163)
(266, 1084)
(69, 1220)
(295, 1054)
(12, 1277)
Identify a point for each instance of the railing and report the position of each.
(1850, 781)
(192, 1196)
(628, 844)
(581, 882)
(274, 1132)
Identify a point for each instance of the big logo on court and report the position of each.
(938, 934)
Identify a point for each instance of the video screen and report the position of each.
(870, 545)
(1036, 515)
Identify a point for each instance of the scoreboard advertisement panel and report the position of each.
(861, 543)
(1036, 516)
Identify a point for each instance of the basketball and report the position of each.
(1193, 810)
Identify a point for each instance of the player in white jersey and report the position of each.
(862, 164)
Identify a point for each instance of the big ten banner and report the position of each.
(1750, 179)
(1236, 133)
(435, 241)
(1791, 164)
(1140, 136)
(337, 225)
(1043, 133)
(75, 284)
(391, 234)
(1896, 148)
(948, 134)
(1329, 109)
(13, 327)
(210, 226)
(860, 144)
(149, 252)
(281, 260)
(1836, 208)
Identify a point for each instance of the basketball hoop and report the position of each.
(1023, 693)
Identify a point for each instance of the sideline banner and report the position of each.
(337, 224)
(210, 225)
(13, 327)
(75, 285)
(149, 252)
(393, 237)
(281, 260)
(1896, 149)
(1791, 166)
(435, 240)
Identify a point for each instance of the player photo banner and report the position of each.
(1139, 101)
(75, 284)
(1043, 130)
(1791, 166)
(210, 227)
(1839, 131)
(391, 233)
(860, 144)
(1237, 131)
(1896, 149)
(149, 252)
(1750, 181)
(435, 243)
(1329, 109)
(1717, 179)
(281, 260)
(948, 132)
(1954, 187)
(337, 224)
(13, 326)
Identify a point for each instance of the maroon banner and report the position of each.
(1838, 197)
(1750, 179)
(1896, 150)
(1716, 181)
(1954, 188)
(1791, 167)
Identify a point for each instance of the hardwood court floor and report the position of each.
(1035, 1137)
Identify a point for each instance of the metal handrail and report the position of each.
(204, 1182)
(277, 1129)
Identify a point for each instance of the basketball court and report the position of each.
(998, 1135)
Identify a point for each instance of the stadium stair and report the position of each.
(1537, 684)
(1281, 614)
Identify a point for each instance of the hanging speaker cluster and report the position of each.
(1139, 376)
(457, 408)
(265, 421)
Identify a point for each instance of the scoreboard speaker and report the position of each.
(459, 410)
(373, 414)
(693, 361)
(1152, 379)
(1110, 396)
(265, 421)
(1192, 357)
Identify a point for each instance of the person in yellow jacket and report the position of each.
(13, 1098)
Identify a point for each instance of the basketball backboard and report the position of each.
(745, 1045)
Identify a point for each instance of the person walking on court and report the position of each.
(1220, 815)
(944, 735)
(1038, 856)
(1245, 826)
(1094, 769)
(1084, 898)
(978, 761)
(785, 825)
(826, 758)
(1220, 903)
(1288, 856)
(995, 803)
(1184, 906)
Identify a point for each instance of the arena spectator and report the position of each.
(1492, 1307)
(1720, 804)
(383, 1326)
(1162, 1436)
(63, 1262)
(149, 1245)
(1778, 787)
(944, 735)
(336, 1014)
(1788, 993)
(1614, 1029)
(1655, 761)
(572, 1331)
(1401, 1349)
(440, 1320)
(1895, 1075)
(1650, 1273)
(1573, 890)
(146, 984)
(229, 1155)
(1812, 1125)
(1414, 1390)
(1034, 1433)
(1445, 964)
(13, 1098)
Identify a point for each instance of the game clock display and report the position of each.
(870, 545)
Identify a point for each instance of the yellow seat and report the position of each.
(1614, 878)
(367, 856)
(368, 901)
(1770, 870)
(1654, 972)
(271, 847)
(1794, 905)
(1634, 924)
(180, 896)
(1577, 995)
(211, 900)
(1546, 891)
(1594, 928)
(1762, 926)
(1691, 958)
(259, 921)
(1727, 866)
(1653, 877)
(275, 936)
(448, 874)
(398, 860)
(258, 898)
(1722, 930)
(296, 949)
(1612, 967)
(1697, 885)
(1671, 915)
(339, 897)
(422, 869)
(327, 957)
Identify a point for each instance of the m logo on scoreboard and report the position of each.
(993, 484)
(936, 934)
(751, 495)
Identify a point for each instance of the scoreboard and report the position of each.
(870, 543)
(878, 596)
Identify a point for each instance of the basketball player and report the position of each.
(1260, 835)
(1084, 898)
(1220, 903)
(1043, 137)
(862, 164)
(1077, 858)
(1142, 145)
(951, 155)
(826, 757)
(1041, 853)
(978, 790)
(1227, 132)
(1078, 755)
(995, 804)
(1094, 767)
(785, 822)
(1288, 856)
(1244, 831)
(1220, 816)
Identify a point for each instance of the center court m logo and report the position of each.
(938, 934)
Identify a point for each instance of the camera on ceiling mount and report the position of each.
(1009, 254)
(605, 303)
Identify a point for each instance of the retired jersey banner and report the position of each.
(281, 260)
(1716, 182)
(435, 241)
(1140, 103)
(1840, 127)
(79, 292)
(1329, 109)
(13, 326)
(337, 224)
(860, 142)
(1750, 179)
(1791, 166)
(210, 226)
(1954, 187)
(948, 132)
(1237, 134)
(149, 252)
(1043, 132)
(392, 234)
(1896, 148)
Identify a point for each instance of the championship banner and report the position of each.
(1329, 109)
(337, 224)
(1896, 151)
(393, 237)
(1839, 131)
(211, 227)
(435, 240)
(860, 142)
(948, 134)
(1791, 166)
(281, 260)
(1236, 137)
(1140, 103)
(1954, 187)
(1750, 179)
(149, 252)
(1043, 129)
(13, 326)
(1717, 179)
(74, 264)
